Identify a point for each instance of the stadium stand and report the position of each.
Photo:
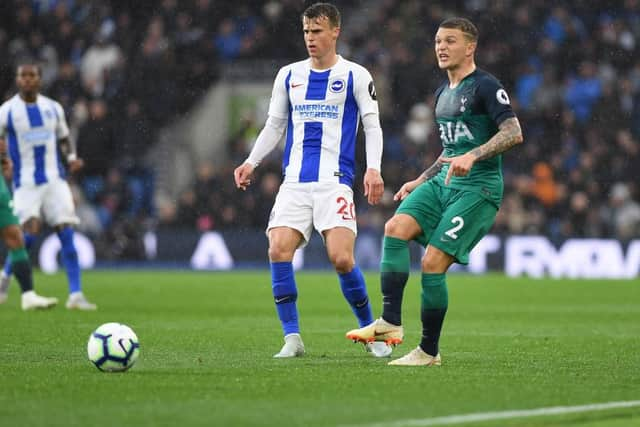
(122, 70)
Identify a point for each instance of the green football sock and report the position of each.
(394, 273)
(435, 300)
(21, 268)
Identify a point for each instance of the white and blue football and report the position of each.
(113, 347)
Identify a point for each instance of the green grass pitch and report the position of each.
(207, 341)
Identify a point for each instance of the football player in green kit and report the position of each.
(12, 236)
(453, 203)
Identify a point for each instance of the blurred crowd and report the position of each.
(574, 79)
(123, 69)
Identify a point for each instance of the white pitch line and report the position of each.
(502, 415)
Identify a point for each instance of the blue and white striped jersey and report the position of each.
(32, 132)
(323, 109)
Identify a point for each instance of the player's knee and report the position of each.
(32, 226)
(12, 237)
(434, 264)
(342, 262)
(394, 227)
(279, 253)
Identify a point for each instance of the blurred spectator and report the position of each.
(583, 91)
(624, 212)
(102, 56)
(96, 142)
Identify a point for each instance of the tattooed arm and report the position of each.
(508, 136)
(432, 170)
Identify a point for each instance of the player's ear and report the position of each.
(336, 33)
(471, 48)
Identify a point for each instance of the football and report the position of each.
(113, 347)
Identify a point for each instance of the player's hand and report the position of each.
(407, 188)
(373, 186)
(458, 166)
(75, 165)
(7, 166)
(242, 175)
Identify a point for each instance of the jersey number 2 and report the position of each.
(347, 210)
(459, 223)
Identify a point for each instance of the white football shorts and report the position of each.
(308, 205)
(51, 200)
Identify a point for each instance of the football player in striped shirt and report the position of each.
(12, 237)
(35, 128)
(318, 103)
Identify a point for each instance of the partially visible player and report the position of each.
(36, 130)
(12, 237)
(319, 103)
(452, 204)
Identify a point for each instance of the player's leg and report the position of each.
(283, 242)
(5, 276)
(433, 309)
(415, 219)
(59, 210)
(340, 242)
(467, 218)
(290, 226)
(12, 237)
(334, 218)
(26, 203)
(394, 273)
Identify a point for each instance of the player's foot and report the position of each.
(417, 357)
(33, 301)
(378, 330)
(77, 301)
(293, 347)
(378, 349)
(4, 287)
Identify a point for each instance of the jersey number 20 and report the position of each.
(346, 209)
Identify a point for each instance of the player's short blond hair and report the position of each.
(463, 24)
(327, 10)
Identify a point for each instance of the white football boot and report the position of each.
(378, 349)
(293, 347)
(417, 357)
(77, 301)
(378, 330)
(33, 301)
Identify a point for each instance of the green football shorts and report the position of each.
(7, 217)
(452, 220)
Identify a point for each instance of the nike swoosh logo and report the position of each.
(281, 299)
(376, 333)
(293, 85)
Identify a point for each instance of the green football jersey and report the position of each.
(4, 190)
(467, 117)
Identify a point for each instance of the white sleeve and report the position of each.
(366, 98)
(279, 105)
(267, 139)
(62, 129)
(373, 140)
(365, 92)
(4, 115)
